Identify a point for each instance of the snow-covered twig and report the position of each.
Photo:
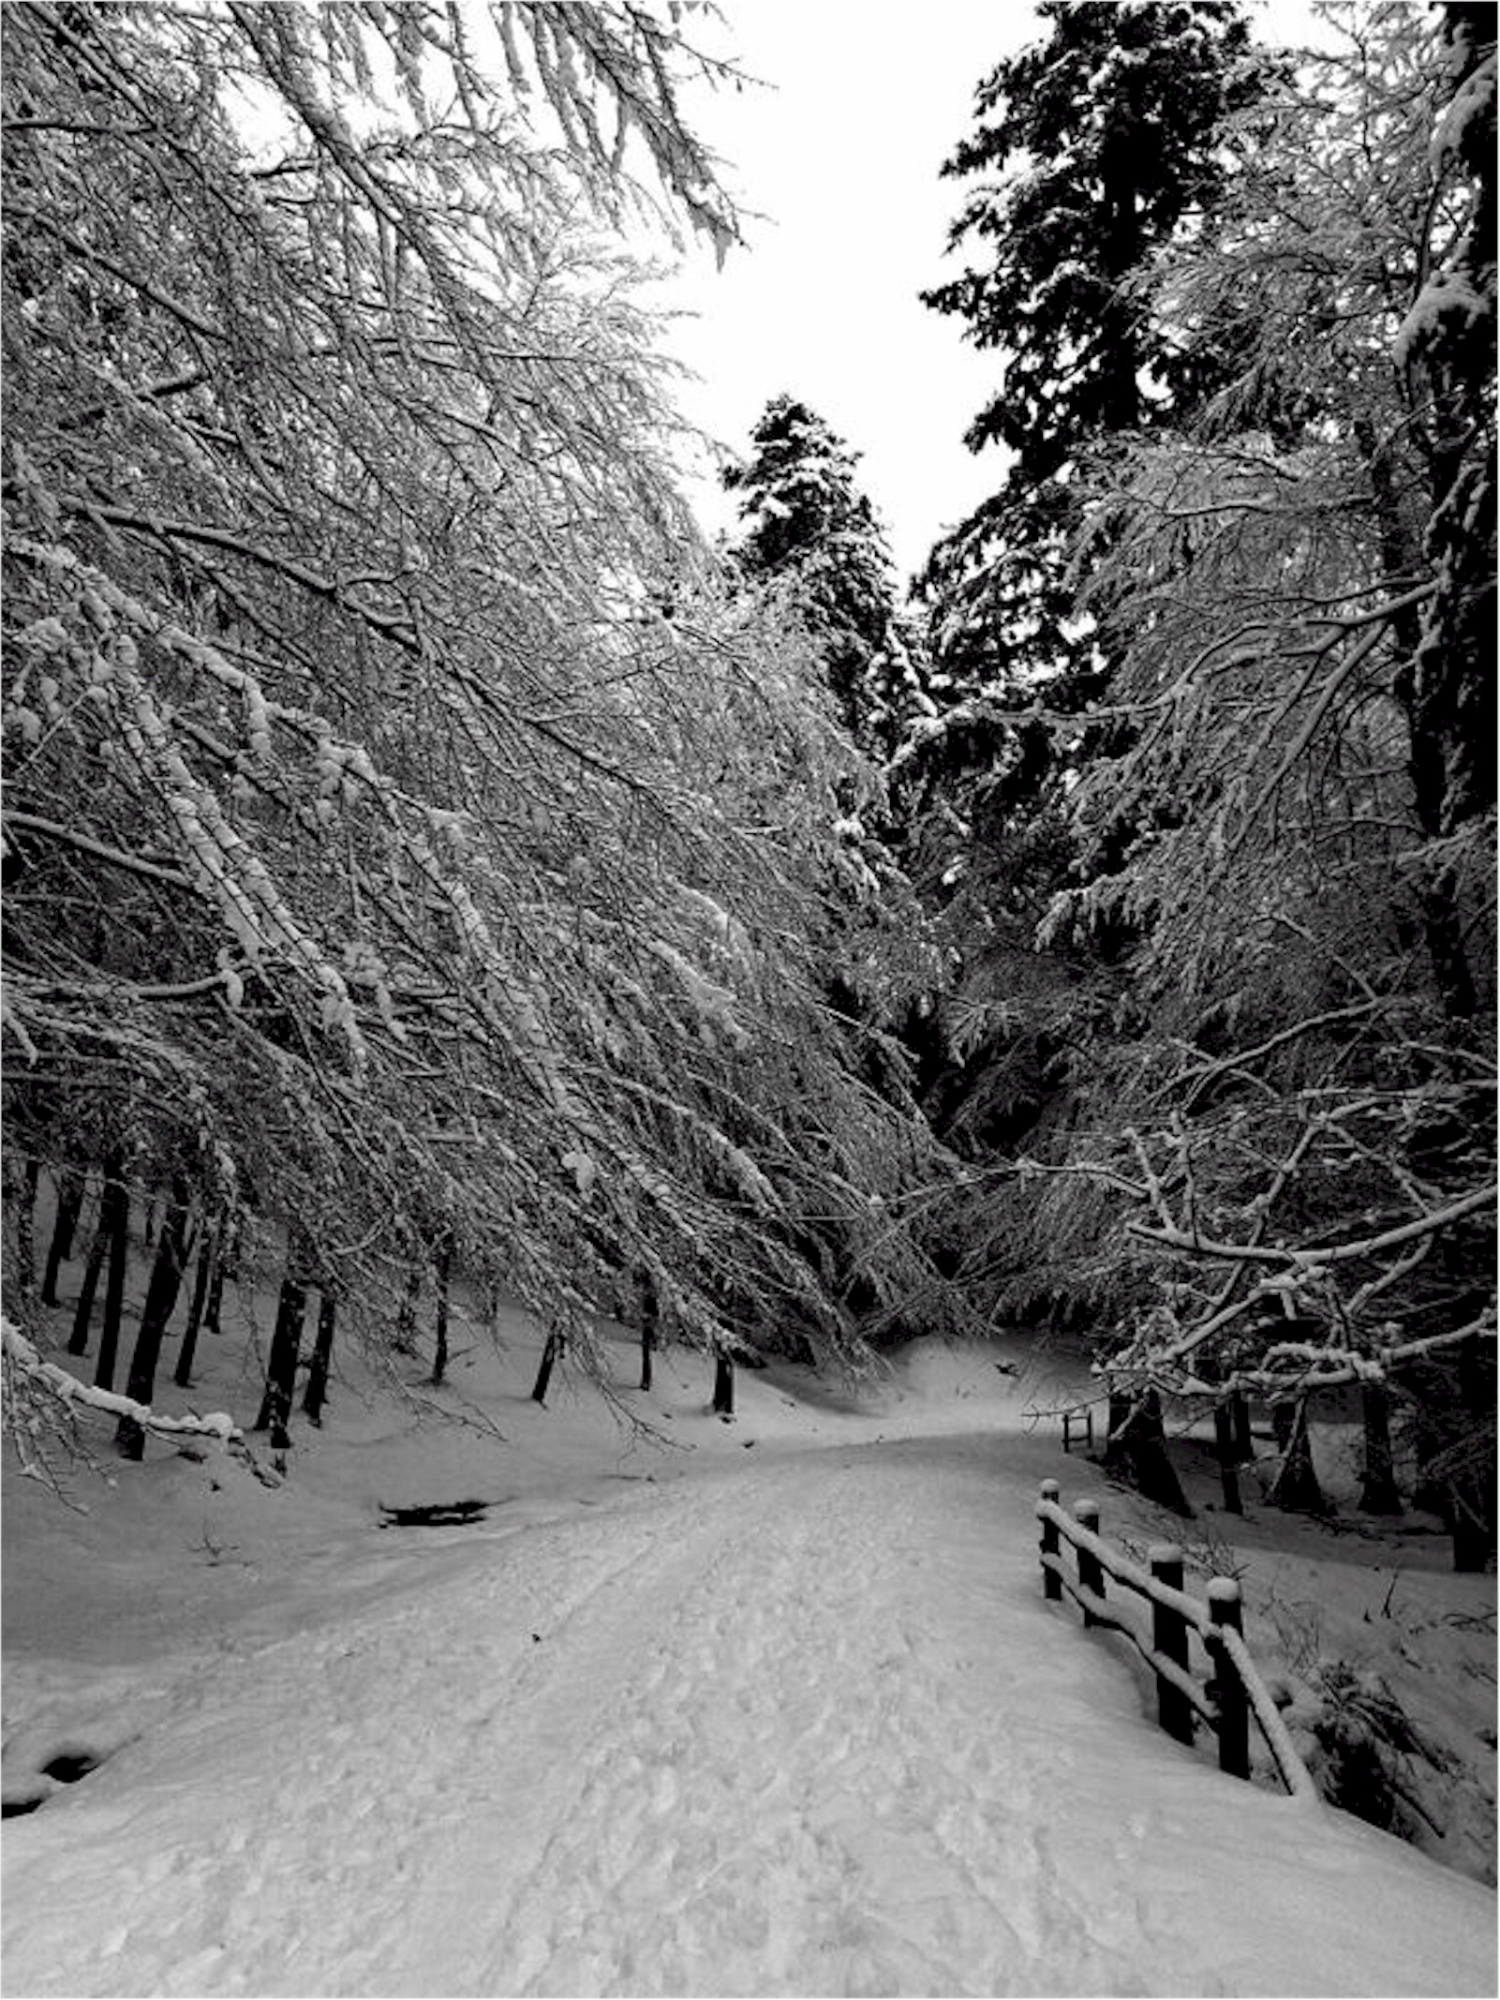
(73, 1394)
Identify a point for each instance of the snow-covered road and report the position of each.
(801, 1724)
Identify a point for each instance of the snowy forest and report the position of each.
(445, 886)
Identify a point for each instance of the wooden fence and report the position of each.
(1230, 1691)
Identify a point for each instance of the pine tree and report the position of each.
(807, 527)
(1101, 144)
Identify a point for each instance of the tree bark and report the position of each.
(1297, 1490)
(441, 1264)
(83, 1312)
(649, 1312)
(550, 1353)
(208, 1264)
(161, 1298)
(316, 1393)
(1136, 1449)
(65, 1223)
(1378, 1493)
(723, 1384)
(1228, 1450)
(281, 1363)
(117, 1198)
(26, 1231)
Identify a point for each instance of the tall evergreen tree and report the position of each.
(808, 526)
(1099, 146)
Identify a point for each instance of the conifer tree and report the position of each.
(1099, 146)
(807, 527)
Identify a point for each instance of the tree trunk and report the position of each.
(1136, 1449)
(83, 1312)
(1378, 1494)
(161, 1299)
(649, 1311)
(65, 1223)
(723, 1384)
(1244, 1443)
(1297, 1490)
(281, 1363)
(117, 1197)
(442, 1261)
(1228, 1450)
(226, 1265)
(316, 1393)
(550, 1353)
(208, 1264)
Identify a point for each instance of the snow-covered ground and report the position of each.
(775, 1708)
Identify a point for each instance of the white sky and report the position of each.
(838, 162)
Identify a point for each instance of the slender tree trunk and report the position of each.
(117, 1197)
(1297, 1489)
(226, 1266)
(723, 1384)
(1378, 1494)
(208, 1264)
(161, 1298)
(104, 1225)
(1244, 1443)
(1228, 1450)
(441, 1263)
(316, 1393)
(281, 1363)
(649, 1315)
(65, 1224)
(550, 1354)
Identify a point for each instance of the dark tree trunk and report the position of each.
(1136, 1449)
(118, 1199)
(1284, 1424)
(441, 1263)
(1378, 1494)
(281, 1363)
(1228, 1450)
(1297, 1489)
(316, 1393)
(226, 1266)
(208, 1264)
(723, 1385)
(65, 1224)
(110, 1191)
(161, 1298)
(550, 1354)
(649, 1312)
(1244, 1443)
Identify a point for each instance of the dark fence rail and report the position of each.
(1230, 1692)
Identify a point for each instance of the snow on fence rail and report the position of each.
(1181, 1697)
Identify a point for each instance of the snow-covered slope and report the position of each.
(781, 1712)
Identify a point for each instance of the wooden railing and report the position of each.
(1231, 1690)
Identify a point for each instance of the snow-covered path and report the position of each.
(801, 1724)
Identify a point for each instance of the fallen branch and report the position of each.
(73, 1394)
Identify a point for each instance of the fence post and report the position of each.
(1051, 1581)
(1234, 1707)
(1169, 1636)
(1090, 1569)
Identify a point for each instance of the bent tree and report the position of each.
(369, 828)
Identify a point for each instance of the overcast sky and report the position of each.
(837, 160)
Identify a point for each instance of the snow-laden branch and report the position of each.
(73, 1394)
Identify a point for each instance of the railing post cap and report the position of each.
(1050, 1489)
(1161, 1553)
(1085, 1510)
(1223, 1590)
